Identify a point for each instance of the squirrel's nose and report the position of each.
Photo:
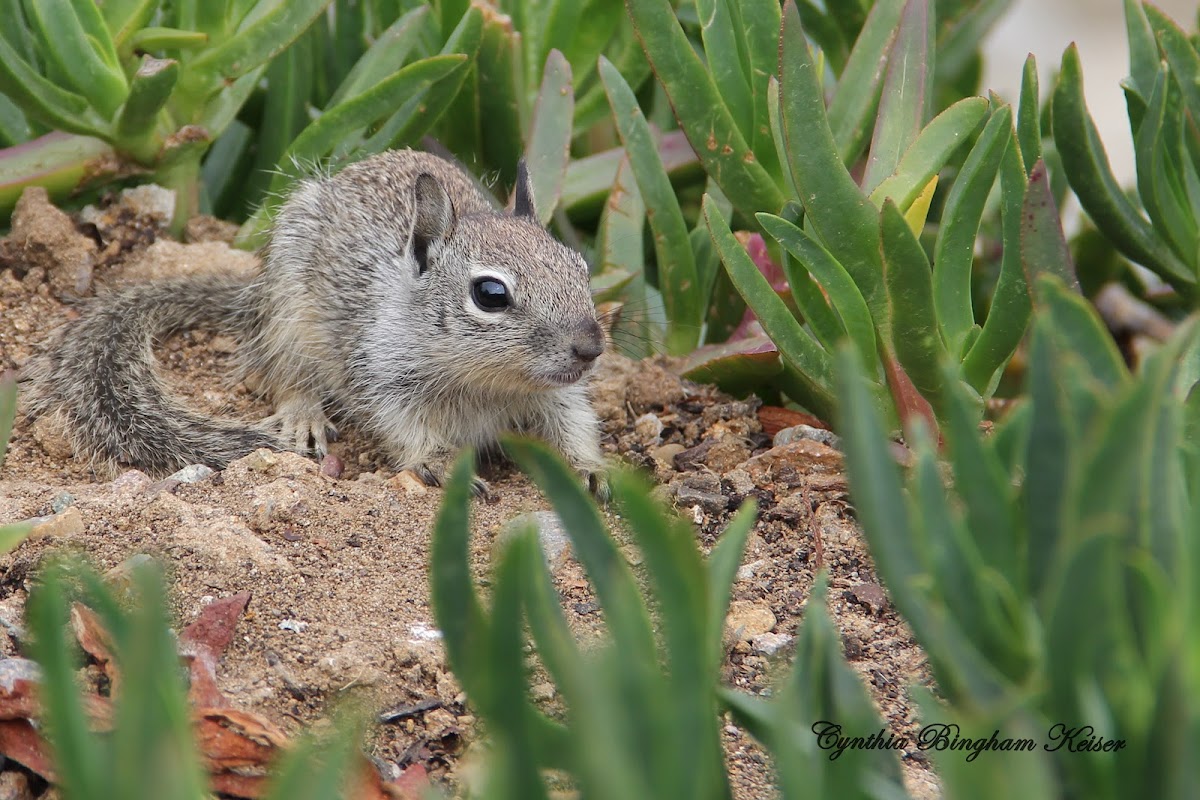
(588, 342)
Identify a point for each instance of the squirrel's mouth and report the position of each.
(565, 377)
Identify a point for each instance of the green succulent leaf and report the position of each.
(812, 303)
(1082, 332)
(456, 605)
(709, 125)
(1043, 246)
(386, 55)
(856, 98)
(8, 410)
(1029, 115)
(558, 24)
(954, 254)
(320, 137)
(74, 37)
(290, 79)
(549, 148)
(677, 277)
(984, 486)
(896, 542)
(1049, 458)
(682, 590)
(932, 149)
(811, 362)
(417, 115)
(615, 585)
(597, 722)
(223, 109)
(1143, 49)
(149, 90)
(514, 716)
(14, 125)
(269, 34)
(759, 21)
(153, 39)
(976, 590)
(821, 697)
(43, 100)
(728, 60)
(1159, 153)
(619, 239)
(961, 35)
(315, 766)
(918, 343)
(1087, 170)
(501, 85)
(846, 222)
(1008, 316)
(1181, 55)
(843, 294)
(905, 102)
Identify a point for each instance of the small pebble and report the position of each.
(769, 644)
(747, 619)
(14, 786)
(423, 632)
(68, 523)
(61, 501)
(740, 481)
(293, 625)
(260, 460)
(542, 692)
(332, 466)
(666, 453)
(193, 473)
(407, 481)
(798, 432)
(130, 482)
(649, 428)
(747, 571)
(712, 502)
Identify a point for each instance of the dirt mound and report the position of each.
(336, 559)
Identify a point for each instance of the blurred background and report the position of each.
(1098, 27)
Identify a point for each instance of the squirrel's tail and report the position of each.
(99, 376)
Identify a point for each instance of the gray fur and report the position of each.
(341, 318)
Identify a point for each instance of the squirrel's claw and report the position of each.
(597, 483)
(432, 474)
(303, 426)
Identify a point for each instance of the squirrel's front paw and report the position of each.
(433, 473)
(597, 483)
(303, 425)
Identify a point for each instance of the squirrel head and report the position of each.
(510, 305)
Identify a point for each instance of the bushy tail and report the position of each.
(99, 376)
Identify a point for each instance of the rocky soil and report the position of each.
(335, 555)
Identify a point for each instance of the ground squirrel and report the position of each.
(392, 295)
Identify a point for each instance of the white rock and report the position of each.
(194, 473)
(768, 644)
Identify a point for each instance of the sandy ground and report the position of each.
(337, 566)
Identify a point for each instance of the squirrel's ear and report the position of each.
(434, 218)
(523, 200)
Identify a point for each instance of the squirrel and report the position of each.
(392, 294)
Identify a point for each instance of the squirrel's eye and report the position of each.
(490, 294)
